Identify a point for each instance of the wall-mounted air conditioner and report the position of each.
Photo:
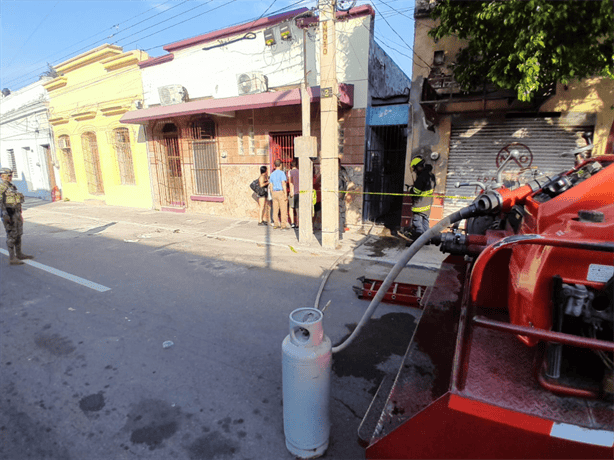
(251, 83)
(63, 143)
(172, 94)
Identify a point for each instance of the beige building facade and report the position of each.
(219, 106)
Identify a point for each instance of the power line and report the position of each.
(392, 28)
(172, 17)
(88, 83)
(73, 53)
(32, 34)
(97, 80)
(127, 28)
(281, 10)
(119, 42)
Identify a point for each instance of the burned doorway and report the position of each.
(168, 167)
(384, 174)
(282, 148)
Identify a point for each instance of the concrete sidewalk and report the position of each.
(362, 245)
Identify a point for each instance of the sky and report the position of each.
(36, 34)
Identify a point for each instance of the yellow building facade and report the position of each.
(100, 159)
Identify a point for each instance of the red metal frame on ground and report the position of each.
(398, 293)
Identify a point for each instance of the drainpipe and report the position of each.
(151, 187)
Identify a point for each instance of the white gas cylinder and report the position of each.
(306, 369)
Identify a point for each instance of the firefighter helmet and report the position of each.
(417, 162)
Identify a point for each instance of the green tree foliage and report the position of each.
(528, 45)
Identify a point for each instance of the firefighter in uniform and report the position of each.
(10, 207)
(422, 200)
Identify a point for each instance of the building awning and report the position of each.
(232, 104)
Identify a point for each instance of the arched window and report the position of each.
(121, 139)
(68, 165)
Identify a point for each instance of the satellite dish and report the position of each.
(345, 5)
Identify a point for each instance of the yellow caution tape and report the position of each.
(435, 195)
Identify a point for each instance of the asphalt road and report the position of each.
(84, 374)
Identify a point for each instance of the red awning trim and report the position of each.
(231, 104)
(157, 60)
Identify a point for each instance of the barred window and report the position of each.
(68, 170)
(121, 142)
(92, 163)
(206, 164)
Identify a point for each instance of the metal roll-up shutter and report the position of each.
(475, 143)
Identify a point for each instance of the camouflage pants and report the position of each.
(14, 229)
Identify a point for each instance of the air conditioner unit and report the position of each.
(251, 83)
(63, 143)
(172, 94)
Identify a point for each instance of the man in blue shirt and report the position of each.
(279, 193)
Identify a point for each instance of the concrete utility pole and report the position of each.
(329, 163)
(305, 148)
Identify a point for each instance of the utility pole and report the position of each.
(329, 163)
(305, 148)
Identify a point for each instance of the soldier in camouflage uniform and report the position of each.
(10, 207)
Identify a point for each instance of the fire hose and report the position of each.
(476, 208)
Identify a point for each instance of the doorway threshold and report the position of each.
(172, 209)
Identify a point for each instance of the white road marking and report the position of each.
(62, 274)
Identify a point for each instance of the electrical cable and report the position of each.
(91, 82)
(174, 25)
(392, 28)
(31, 35)
(118, 42)
(35, 72)
(279, 11)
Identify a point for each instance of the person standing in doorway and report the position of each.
(10, 207)
(263, 181)
(279, 191)
(422, 200)
(293, 175)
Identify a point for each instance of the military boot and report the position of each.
(13, 260)
(20, 255)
